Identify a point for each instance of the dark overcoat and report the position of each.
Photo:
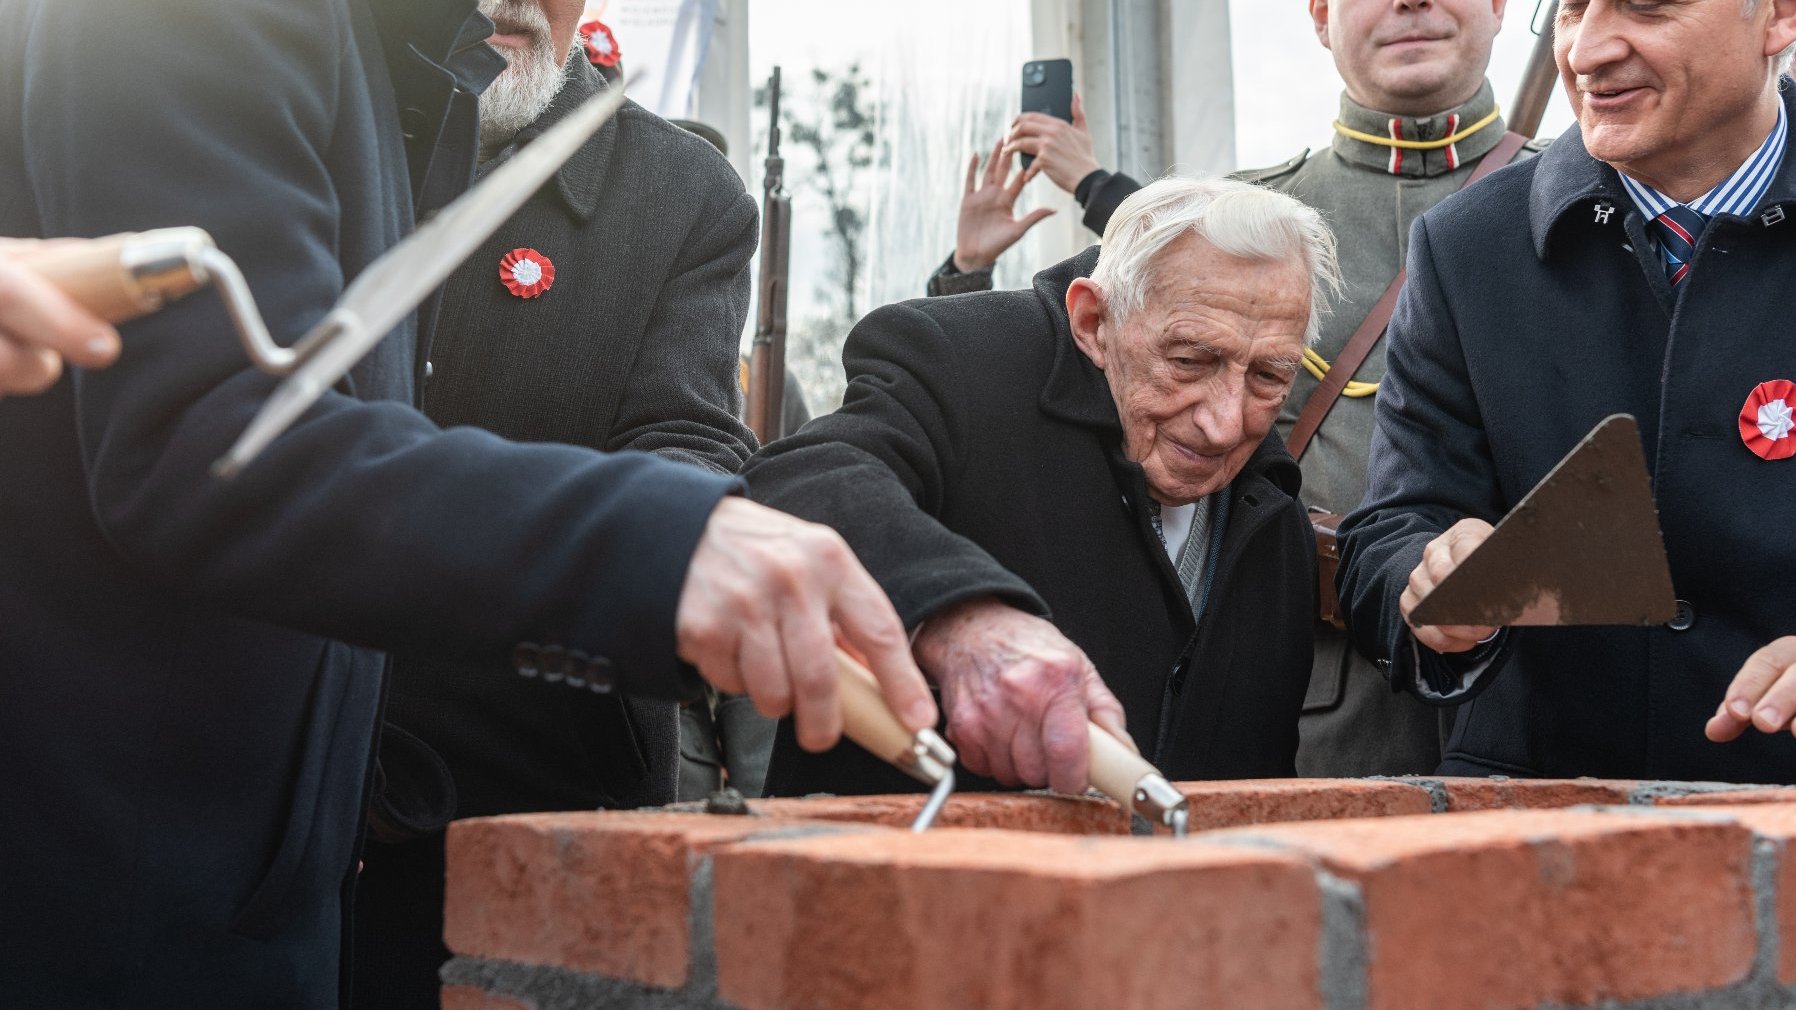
(632, 347)
(1535, 307)
(190, 671)
(978, 452)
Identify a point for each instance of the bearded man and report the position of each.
(605, 313)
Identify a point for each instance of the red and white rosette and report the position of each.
(1768, 420)
(526, 273)
(601, 45)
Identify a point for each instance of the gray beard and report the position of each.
(521, 94)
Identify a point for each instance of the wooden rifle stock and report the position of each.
(1539, 79)
(766, 394)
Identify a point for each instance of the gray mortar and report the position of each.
(1343, 954)
(563, 989)
(1436, 789)
(1652, 792)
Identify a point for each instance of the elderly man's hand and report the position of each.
(1018, 694)
(1442, 555)
(1060, 148)
(40, 326)
(1763, 694)
(763, 600)
(988, 222)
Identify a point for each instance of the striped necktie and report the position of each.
(1678, 229)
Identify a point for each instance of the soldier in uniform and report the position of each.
(1416, 119)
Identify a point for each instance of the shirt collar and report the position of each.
(1415, 163)
(1738, 194)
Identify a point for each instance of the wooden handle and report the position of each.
(1115, 769)
(866, 719)
(124, 276)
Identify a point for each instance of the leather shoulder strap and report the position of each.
(1322, 398)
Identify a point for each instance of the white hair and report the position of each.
(1238, 218)
(1789, 52)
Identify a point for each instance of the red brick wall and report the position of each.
(1420, 894)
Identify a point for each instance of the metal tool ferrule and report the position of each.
(929, 759)
(1159, 801)
(166, 263)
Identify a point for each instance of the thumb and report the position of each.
(1106, 711)
(1078, 111)
(1035, 217)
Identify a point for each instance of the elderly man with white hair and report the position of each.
(1075, 499)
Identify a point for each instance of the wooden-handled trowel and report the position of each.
(1583, 547)
(1116, 771)
(125, 276)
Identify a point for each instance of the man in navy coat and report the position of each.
(1638, 266)
(190, 674)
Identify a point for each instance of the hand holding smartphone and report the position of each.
(1048, 89)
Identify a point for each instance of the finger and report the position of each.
(1756, 676)
(762, 667)
(972, 175)
(1078, 111)
(1028, 756)
(1462, 540)
(1066, 736)
(1033, 218)
(807, 645)
(868, 622)
(1772, 715)
(1023, 145)
(995, 164)
(35, 312)
(1014, 188)
(1105, 710)
(27, 369)
(968, 739)
(997, 746)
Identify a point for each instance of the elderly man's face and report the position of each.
(1199, 372)
(1409, 57)
(1660, 87)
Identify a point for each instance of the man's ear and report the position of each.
(1084, 312)
(1782, 29)
(1319, 14)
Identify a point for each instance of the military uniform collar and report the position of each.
(448, 34)
(1418, 164)
(581, 178)
(1569, 184)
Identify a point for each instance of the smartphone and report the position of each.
(1048, 88)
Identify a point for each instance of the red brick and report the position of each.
(1066, 815)
(1263, 801)
(1732, 797)
(1465, 794)
(1013, 921)
(1778, 824)
(1512, 909)
(607, 893)
(467, 997)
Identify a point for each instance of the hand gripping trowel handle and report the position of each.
(1122, 775)
(868, 721)
(132, 274)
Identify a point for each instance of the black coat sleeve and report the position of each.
(1430, 466)
(881, 468)
(363, 522)
(682, 399)
(1100, 193)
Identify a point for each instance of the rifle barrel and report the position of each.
(1539, 80)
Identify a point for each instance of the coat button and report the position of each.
(413, 123)
(1683, 618)
(429, 369)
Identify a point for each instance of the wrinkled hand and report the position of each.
(1442, 555)
(758, 615)
(1060, 148)
(1019, 695)
(1763, 694)
(40, 326)
(988, 222)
